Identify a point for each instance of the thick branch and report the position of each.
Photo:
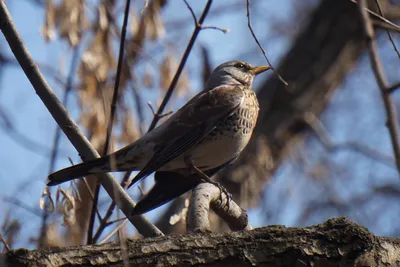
(337, 242)
(207, 195)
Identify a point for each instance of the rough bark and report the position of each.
(337, 242)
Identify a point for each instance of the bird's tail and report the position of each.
(100, 165)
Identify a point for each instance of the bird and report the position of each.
(200, 139)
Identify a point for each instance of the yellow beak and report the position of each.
(260, 69)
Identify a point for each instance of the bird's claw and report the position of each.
(223, 190)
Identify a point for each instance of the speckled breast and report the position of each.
(229, 137)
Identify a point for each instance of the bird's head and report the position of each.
(234, 72)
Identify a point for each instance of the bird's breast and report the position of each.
(229, 137)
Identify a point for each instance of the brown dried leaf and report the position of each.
(147, 78)
(66, 206)
(130, 130)
(46, 201)
(98, 59)
(48, 29)
(134, 23)
(71, 20)
(10, 229)
(153, 21)
(167, 71)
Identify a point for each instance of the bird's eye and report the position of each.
(240, 66)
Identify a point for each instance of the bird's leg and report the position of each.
(204, 177)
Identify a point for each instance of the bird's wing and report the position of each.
(192, 123)
(169, 185)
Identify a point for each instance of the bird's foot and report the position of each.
(189, 162)
(222, 190)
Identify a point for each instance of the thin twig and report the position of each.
(104, 222)
(19, 203)
(258, 43)
(56, 140)
(111, 119)
(393, 88)
(382, 82)
(123, 245)
(6, 246)
(155, 114)
(381, 21)
(88, 189)
(113, 232)
(69, 127)
(178, 72)
(387, 31)
(324, 137)
(203, 27)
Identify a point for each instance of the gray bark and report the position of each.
(337, 242)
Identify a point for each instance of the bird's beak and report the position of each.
(260, 69)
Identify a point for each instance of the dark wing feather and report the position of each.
(170, 185)
(192, 123)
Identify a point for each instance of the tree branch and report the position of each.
(381, 80)
(337, 242)
(69, 127)
(207, 195)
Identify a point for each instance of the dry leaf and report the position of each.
(48, 29)
(181, 216)
(71, 20)
(166, 71)
(147, 78)
(129, 131)
(66, 206)
(153, 21)
(168, 68)
(46, 201)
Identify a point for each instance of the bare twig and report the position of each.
(6, 246)
(393, 88)
(207, 195)
(19, 203)
(178, 72)
(332, 201)
(123, 244)
(323, 136)
(199, 25)
(113, 232)
(258, 43)
(69, 127)
(104, 222)
(387, 31)
(380, 21)
(160, 116)
(382, 82)
(57, 135)
(111, 119)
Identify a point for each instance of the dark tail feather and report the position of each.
(169, 185)
(77, 171)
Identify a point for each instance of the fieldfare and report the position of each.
(197, 141)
